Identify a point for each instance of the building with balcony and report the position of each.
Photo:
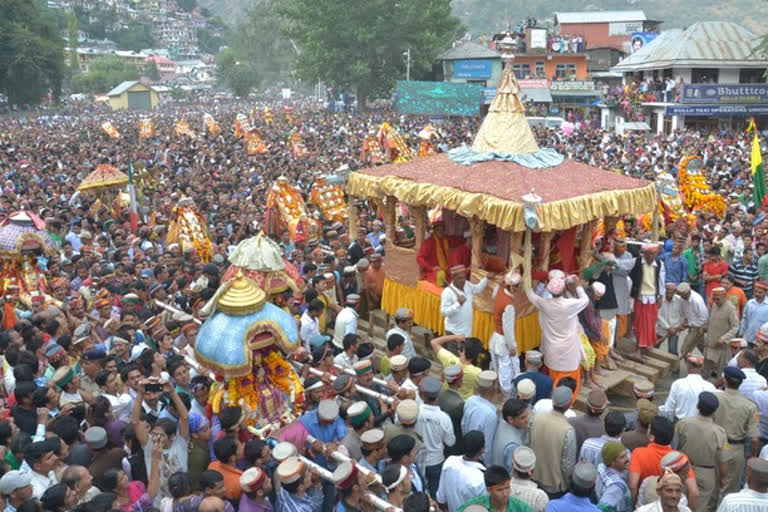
(710, 75)
(605, 29)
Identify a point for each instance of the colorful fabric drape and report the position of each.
(756, 163)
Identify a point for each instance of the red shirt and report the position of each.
(646, 460)
(714, 269)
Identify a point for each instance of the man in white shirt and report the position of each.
(436, 430)
(403, 326)
(39, 460)
(462, 477)
(456, 301)
(684, 393)
(310, 325)
(346, 320)
(670, 320)
(747, 359)
(695, 317)
(348, 357)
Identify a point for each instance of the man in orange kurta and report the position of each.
(434, 255)
(373, 281)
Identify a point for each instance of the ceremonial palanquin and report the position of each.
(182, 128)
(146, 129)
(188, 229)
(245, 342)
(22, 239)
(329, 198)
(211, 126)
(396, 150)
(242, 125)
(286, 209)
(110, 130)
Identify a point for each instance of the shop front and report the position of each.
(575, 100)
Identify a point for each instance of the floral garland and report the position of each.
(696, 193)
(282, 375)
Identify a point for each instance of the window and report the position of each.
(704, 75)
(521, 70)
(571, 71)
(540, 72)
(751, 76)
(560, 71)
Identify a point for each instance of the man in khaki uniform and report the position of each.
(706, 445)
(723, 325)
(738, 416)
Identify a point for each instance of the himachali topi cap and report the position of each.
(283, 450)
(328, 410)
(290, 470)
(526, 389)
(373, 439)
(486, 379)
(398, 363)
(252, 479)
(407, 412)
(453, 372)
(523, 459)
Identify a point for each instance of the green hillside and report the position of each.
(483, 16)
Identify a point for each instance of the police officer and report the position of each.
(706, 445)
(738, 416)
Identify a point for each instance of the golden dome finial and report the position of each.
(243, 297)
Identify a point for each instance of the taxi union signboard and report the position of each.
(739, 94)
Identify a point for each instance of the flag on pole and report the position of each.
(756, 163)
(134, 215)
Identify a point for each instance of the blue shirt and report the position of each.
(755, 315)
(676, 268)
(570, 503)
(331, 433)
(543, 384)
(480, 414)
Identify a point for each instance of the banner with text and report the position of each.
(438, 98)
(473, 68)
(723, 93)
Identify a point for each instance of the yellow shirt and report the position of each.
(471, 372)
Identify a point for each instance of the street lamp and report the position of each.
(407, 55)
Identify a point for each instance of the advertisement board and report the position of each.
(640, 39)
(624, 28)
(438, 98)
(724, 93)
(716, 110)
(473, 68)
(538, 38)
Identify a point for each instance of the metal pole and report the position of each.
(174, 310)
(340, 457)
(408, 65)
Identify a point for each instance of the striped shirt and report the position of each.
(592, 449)
(529, 493)
(747, 273)
(746, 500)
(612, 491)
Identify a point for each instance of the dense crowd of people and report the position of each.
(102, 411)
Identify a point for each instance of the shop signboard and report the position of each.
(572, 85)
(473, 68)
(716, 110)
(532, 83)
(723, 93)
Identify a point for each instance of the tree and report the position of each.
(187, 5)
(72, 34)
(360, 45)
(209, 41)
(31, 52)
(104, 74)
(238, 76)
(259, 41)
(135, 36)
(150, 69)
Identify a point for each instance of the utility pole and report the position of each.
(408, 65)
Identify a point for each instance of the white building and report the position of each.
(707, 62)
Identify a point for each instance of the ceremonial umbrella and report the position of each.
(23, 231)
(104, 176)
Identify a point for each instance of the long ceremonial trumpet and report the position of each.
(376, 380)
(366, 391)
(379, 503)
(172, 309)
(340, 457)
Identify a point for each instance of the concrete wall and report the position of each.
(594, 34)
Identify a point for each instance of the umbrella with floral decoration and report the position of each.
(104, 176)
(260, 259)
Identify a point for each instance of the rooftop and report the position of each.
(468, 50)
(704, 44)
(599, 17)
